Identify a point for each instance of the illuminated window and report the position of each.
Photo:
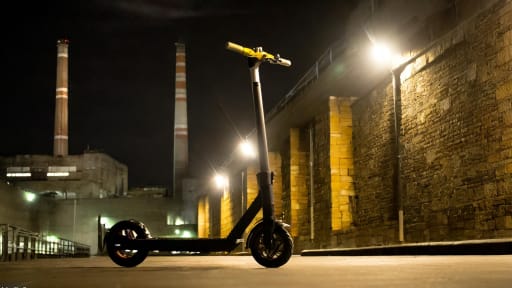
(19, 171)
(57, 174)
(60, 171)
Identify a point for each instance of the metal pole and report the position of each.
(242, 210)
(242, 193)
(74, 219)
(5, 242)
(311, 184)
(397, 115)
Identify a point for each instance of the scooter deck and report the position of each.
(179, 244)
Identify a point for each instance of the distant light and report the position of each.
(170, 219)
(179, 221)
(52, 238)
(107, 221)
(19, 174)
(247, 149)
(177, 231)
(221, 181)
(29, 196)
(186, 234)
(57, 174)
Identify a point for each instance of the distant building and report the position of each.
(90, 175)
(147, 192)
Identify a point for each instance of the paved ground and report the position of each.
(243, 271)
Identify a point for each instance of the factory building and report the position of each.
(78, 197)
(89, 175)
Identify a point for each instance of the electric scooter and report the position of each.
(128, 242)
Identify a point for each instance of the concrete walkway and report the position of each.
(235, 272)
(473, 247)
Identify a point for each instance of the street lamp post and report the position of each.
(382, 53)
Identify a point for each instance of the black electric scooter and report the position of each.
(129, 242)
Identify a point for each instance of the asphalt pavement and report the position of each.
(243, 271)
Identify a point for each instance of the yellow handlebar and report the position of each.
(257, 53)
(247, 52)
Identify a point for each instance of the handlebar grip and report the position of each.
(239, 49)
(284, 62)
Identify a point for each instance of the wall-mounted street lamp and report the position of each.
(247, 149)
(386, 55)
(220, 181)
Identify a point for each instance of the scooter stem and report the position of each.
(255, 57)
(264, 175)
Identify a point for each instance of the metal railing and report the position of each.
(21, 244)
(325, 60)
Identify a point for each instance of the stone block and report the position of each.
(504, 90)
(505, 15)
(507, 38)
(504, 222)
(346, 163)
(504, 56)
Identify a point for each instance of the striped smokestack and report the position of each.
(180, 123)
(60, 136)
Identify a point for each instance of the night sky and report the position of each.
(121, 73)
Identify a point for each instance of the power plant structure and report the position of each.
(79, 196)
(60, 142)
(184, 187)
(180, 154)
(64, 176)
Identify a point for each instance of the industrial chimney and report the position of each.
(60, 136)
(180, 123)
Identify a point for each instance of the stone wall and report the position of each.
(275, 161)
(226, 212)
(203, 217)
(322, 181)
(298, 170)
(456, 102)
(456, 136)
(341, 163)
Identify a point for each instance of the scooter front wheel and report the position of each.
(120, 232)
(280, 251)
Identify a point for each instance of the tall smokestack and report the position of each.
(180, 123)
(60, 136)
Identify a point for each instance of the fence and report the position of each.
(20, 244)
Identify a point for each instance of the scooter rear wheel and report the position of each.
(280, 251)
(122, 231)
